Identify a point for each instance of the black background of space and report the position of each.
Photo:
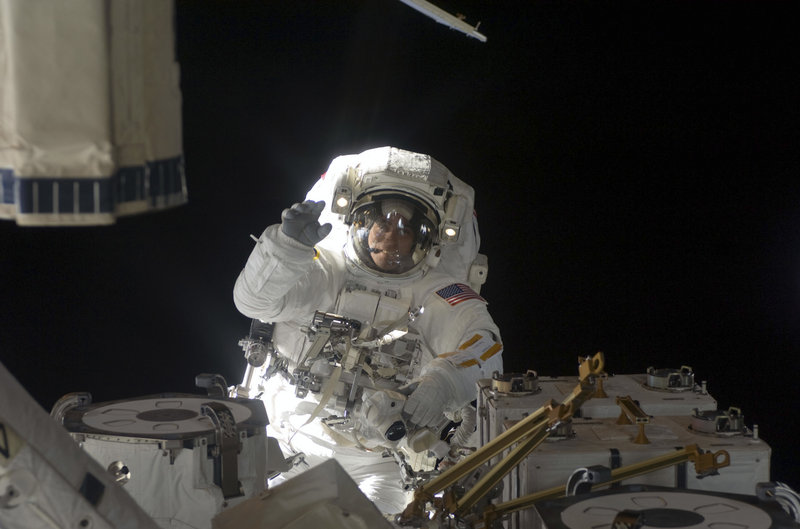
(636, 172)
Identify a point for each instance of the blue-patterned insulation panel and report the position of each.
(154, 182)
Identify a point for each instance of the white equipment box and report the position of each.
(677, 418)
(496, 407)
(183, 458)
(603, 442)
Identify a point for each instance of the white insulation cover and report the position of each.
(90, 111)
(180, 494)
(46, 480)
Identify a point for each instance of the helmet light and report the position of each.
(451, 226)
(450, 231)
(341, 200)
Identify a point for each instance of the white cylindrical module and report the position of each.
(168, 452)
(90, 117)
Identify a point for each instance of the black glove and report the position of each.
(301, 223)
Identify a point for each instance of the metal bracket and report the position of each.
(227, 448)
(582, 479)
(214, 384)
(170, 448)
(631, 413)
(67, 402)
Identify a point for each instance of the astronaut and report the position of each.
(380, 332)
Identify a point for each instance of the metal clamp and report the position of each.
(723, 423)
(582, 479)
(671, 379)
(67, 402)
(225, 452)
(516, 383)
(214, 384)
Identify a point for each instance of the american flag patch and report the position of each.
(458, 292)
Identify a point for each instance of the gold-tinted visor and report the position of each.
(392, 233)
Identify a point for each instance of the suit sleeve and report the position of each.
(282, 280)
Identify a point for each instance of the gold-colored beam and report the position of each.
(589, 367)
(533, 429)
(520, 452)
(632, 413)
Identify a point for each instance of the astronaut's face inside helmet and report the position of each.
(392, 234)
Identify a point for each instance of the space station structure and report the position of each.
(646, 449)
(184, 458)
(90, 111)
(47, 481)
(631, 419)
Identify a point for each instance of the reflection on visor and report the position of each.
(392, 222)
(391, 236)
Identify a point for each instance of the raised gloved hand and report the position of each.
(426, 404)
(301, 223)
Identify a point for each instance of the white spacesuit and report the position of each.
(379, 331)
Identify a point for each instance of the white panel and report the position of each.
(42, 473)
